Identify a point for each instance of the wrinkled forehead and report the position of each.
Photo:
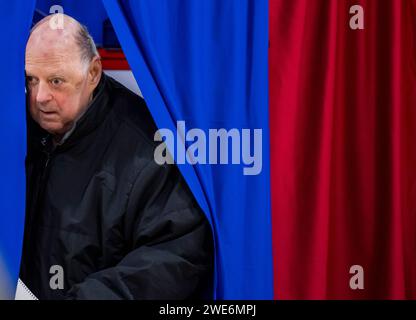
(44, 39)
(52, 50)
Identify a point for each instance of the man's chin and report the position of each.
(53, 128)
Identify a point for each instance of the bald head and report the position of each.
(61, 29)
(63, 69)
(58, 21)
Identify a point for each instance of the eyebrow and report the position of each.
(53, 75)
(56, 75)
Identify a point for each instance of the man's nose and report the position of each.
(43, 93)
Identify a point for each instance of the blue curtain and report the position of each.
(205, 62)
(15, 20)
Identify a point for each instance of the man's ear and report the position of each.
(94, 72)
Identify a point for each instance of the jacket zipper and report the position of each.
(41, 184)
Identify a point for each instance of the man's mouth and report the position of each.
(47, 112)
(48, 115)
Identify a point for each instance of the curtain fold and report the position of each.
(15, 20)
(205, 63)
(343, 124)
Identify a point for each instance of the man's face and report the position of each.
(57, 83)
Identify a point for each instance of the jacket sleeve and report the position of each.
(170, 253)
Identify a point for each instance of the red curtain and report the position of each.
(343, 148)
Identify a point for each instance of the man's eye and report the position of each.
(56, 81)
(31, 80)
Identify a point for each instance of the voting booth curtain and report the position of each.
(343, 156)
(15, 20)
(205, 63)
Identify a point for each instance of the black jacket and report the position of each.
(119, 225)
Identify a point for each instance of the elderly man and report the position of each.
(103, 220)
